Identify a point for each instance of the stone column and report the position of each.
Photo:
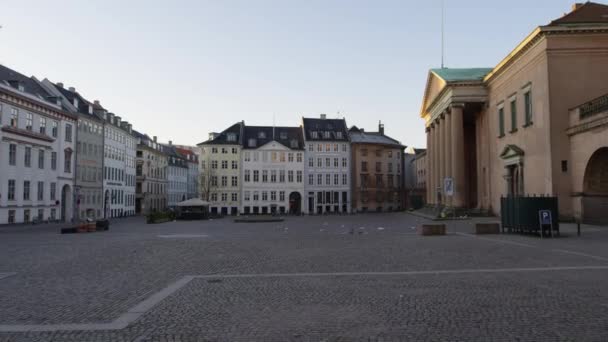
(443, 155)
(448, 151)
(436, 168)
(458, 161)
(426, 167)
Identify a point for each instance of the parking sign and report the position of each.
(448, 186)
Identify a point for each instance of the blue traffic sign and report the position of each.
(545, 217)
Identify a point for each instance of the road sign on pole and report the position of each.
(545, 219)
(448, 186)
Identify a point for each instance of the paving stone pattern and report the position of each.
(96, 278)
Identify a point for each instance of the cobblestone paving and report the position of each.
(95, 278)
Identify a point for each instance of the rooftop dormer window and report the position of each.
(283, 135)
(327, 135)
(231, 137)
(315, 134)
(294, 143)
(251, 143)
(339, 135)
(262, 135)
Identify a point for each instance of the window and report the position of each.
(274, 157)
(327, 147)
(344, 162)
(528, 105)
(53, 191)
(54, 129)
(256, 196)
(364, 152)
(327, 179)
(252, 143)
(339, 135)
(290, 176)
(327, 135)
(26, 190)
(41, 159)
(234, 165)
(319, 179)
(311, 179)
(378, 153)
(214, 197)
(379, 181)
(344, 147)
(501, 122)
(273, 176)
(67, 166)
(247, 196)
(11, 189)
(336, 161)
(364, 166)
(28, 157)
(299, 176)
(311, 162)
(264, 176)
(234, 150)
(283, 135)
(247, 156)
(282, 156)
(315, 135)
(262, 135)
(53, 160)
(336, 179)
(281, 176)
(224, 164)
(247, 176)
(42, 128)
(214, 150)
(11, 216)
(29, 121)
(344, 180)
(26, 215)
(214, 164)
(299, 157)
(327, 162)
(335, 147)
(564, 166)
(390, 181)
(319, 147)
(231, 137)
(290, 157)
(282, 196)
(264, 196)
(256, 176)
(390, 167)
(14, 117)
(513, 116)
(256, 156)
(311, 147)
(40, 191)
(12, 154)
(68, 132)
(273, 196)
(235, 181)
(224, 197)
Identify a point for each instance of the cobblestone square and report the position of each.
(333, 278)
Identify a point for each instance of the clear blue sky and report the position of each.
(180, 69)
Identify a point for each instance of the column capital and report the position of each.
(427, 129)
(457, 105)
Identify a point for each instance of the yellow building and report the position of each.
(508, 130)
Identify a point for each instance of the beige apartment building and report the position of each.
(151, 175)
(517, 128)
(377, 168)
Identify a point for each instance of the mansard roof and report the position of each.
(320, 126)
(222, 138)
(290, 137)
(359, 136)
(584, 14)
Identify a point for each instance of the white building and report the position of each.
(120, 148)
(36, 152)
(327, 165)
(273, 170)
(220, 168)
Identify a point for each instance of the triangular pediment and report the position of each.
(434, 86)
(511, 151)
(274, 146)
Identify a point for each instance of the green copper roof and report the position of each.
(454, 75)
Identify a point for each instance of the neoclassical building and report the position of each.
(220, 168)
(151, 175)
(37, 143)
(327, 165)
(273, 170)
(377, 168)
(510, 130)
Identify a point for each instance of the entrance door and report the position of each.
(295, 203)
(595, 200)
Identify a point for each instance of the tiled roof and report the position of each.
(83, 104)
(361, 137)
(222, 138)
(290, 137)
(418, 151)
(30, 86)
(321, 126)
(467, 74)
(587, 13)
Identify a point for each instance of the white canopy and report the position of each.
(193, 202)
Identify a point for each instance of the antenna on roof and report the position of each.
(442, 33)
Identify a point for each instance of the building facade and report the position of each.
(192, 185)
(119, 166)
(37, 143)
(273, 170)
(502, 131)
(220, 168)
(327, 170)
(177, 176)
(151, 166)
(420, 169)
(377, 182)
(89, 152)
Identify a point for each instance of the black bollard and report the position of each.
(578, 228)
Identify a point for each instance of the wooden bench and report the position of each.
(431, 229)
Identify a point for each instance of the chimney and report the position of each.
(110, 117)
(130, 128)
(380, 127)
(60, 85)
(170, 143)
(72, 89)
(577, 6)
(117, 121)
(154, 138)
(323, 116)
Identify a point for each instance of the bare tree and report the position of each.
(208, 181)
